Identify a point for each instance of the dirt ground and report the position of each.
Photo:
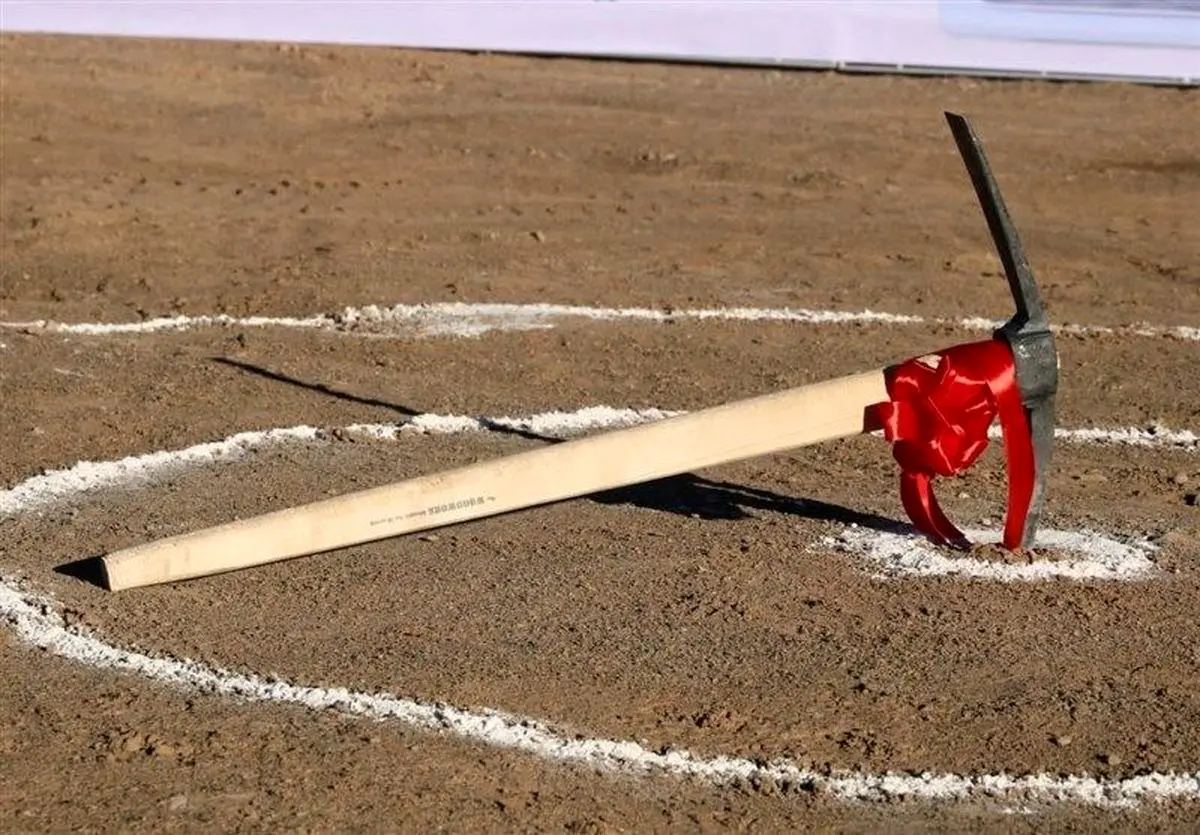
(142, 179)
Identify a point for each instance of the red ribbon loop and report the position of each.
(937, 420)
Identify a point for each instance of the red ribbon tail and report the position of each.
(1018, 456)
(921, 505)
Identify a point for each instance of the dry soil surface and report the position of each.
(707, 612)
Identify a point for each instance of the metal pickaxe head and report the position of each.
(1028, 332)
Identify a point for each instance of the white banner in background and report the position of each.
(1140, 40)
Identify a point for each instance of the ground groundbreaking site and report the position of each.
(240, 277)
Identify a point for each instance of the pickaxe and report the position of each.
(936, 409)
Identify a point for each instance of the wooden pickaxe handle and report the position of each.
(718, 435)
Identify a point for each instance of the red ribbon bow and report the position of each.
(937, 419)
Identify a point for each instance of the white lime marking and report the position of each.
(460, 319)
(37, 622)
(1100, 557)
(49, 487)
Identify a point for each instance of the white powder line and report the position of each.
(52, 486)
(1099, 557)
(555, 423)
(1153, 436)
(48, 488)
(463, 319)
(171, 323)
(37, 622)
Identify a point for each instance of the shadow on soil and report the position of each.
(685, 495)
(90, 570)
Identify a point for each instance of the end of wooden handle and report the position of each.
(141, 565)
(111, 575)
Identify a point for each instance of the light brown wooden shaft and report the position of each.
(718, 435)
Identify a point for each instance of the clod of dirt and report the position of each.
(716, 719)
(656, 157)
(994, 552)
(128, 745)
(817, 178)
(765, 785)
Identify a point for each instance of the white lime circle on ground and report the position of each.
(1090, 556)
(37, 621)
